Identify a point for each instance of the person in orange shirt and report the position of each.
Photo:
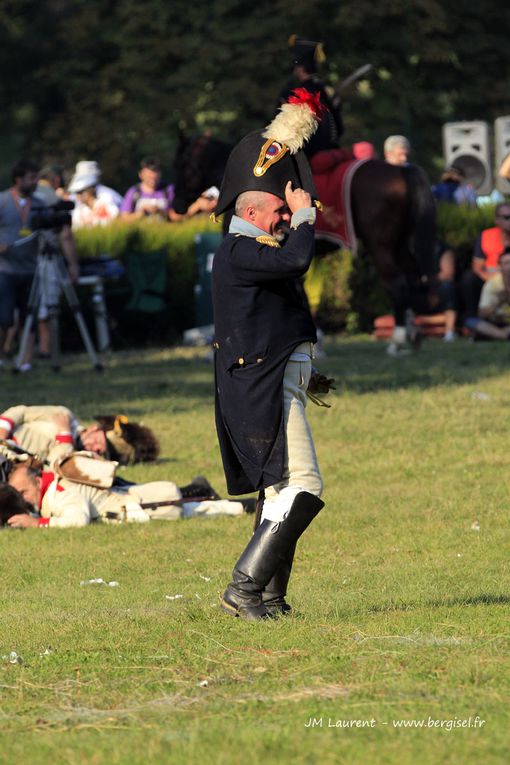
(489, 247)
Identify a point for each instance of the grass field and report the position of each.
(400, 587)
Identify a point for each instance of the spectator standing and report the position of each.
(149, 198)
(397, 149)
(19, 247)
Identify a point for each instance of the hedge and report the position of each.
(120, 239)
(344, 292)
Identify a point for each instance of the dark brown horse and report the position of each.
(393, 212)
(394, 216)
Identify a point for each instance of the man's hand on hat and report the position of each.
(297, 199)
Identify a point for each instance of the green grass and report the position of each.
(401, 607)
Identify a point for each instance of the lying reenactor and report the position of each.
(11, 504)
(50, 431)
(65, 502)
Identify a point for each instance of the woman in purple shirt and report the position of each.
(148, 198)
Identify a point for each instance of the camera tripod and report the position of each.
(50, 279)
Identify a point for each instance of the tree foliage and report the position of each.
(116, 79)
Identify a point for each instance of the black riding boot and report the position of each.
(274, 593)
(266, 551)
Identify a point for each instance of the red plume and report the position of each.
(303, 97)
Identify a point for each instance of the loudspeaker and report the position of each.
(501, 149)
(466, 146)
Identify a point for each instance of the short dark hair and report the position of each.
(11, 503)
(500, 207)
(151, 163)
(32, 465)
(22, 167)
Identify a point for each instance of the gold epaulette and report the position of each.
(268, 240)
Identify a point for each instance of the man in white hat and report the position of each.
(96, 204)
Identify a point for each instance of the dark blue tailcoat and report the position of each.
(260, 316)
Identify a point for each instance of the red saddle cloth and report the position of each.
(332, 173)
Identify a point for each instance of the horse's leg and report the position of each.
(397, 287)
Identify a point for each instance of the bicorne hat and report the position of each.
(307, 53)
(266, 160)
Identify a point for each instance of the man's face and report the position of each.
(503, 218)
(93, 439)
(150, 178)
(271, 214)
(87, 196)
(26, 184)
(397, 156)
(29, 486)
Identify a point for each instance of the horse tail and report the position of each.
(422, 228)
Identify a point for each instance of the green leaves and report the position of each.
(115, 80)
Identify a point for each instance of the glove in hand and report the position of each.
(319, 384)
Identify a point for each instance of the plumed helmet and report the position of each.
(265, 160)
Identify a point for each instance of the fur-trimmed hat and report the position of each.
(266, 160)
(128, 442)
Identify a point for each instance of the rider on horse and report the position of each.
(307, 55)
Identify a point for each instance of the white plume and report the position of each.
(293, 125)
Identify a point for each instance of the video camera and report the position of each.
(52, 217)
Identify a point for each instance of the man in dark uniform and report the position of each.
(307, 55)
(264, 337)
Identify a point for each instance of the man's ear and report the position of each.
(251, 212)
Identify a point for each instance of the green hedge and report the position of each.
(344, 292)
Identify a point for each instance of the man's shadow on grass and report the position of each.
(483, 599)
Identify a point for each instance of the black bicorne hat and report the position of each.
(307, 53)
(266, 160)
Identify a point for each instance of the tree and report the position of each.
(113, 80)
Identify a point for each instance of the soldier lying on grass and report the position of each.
(55, 501)
(50, 431)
